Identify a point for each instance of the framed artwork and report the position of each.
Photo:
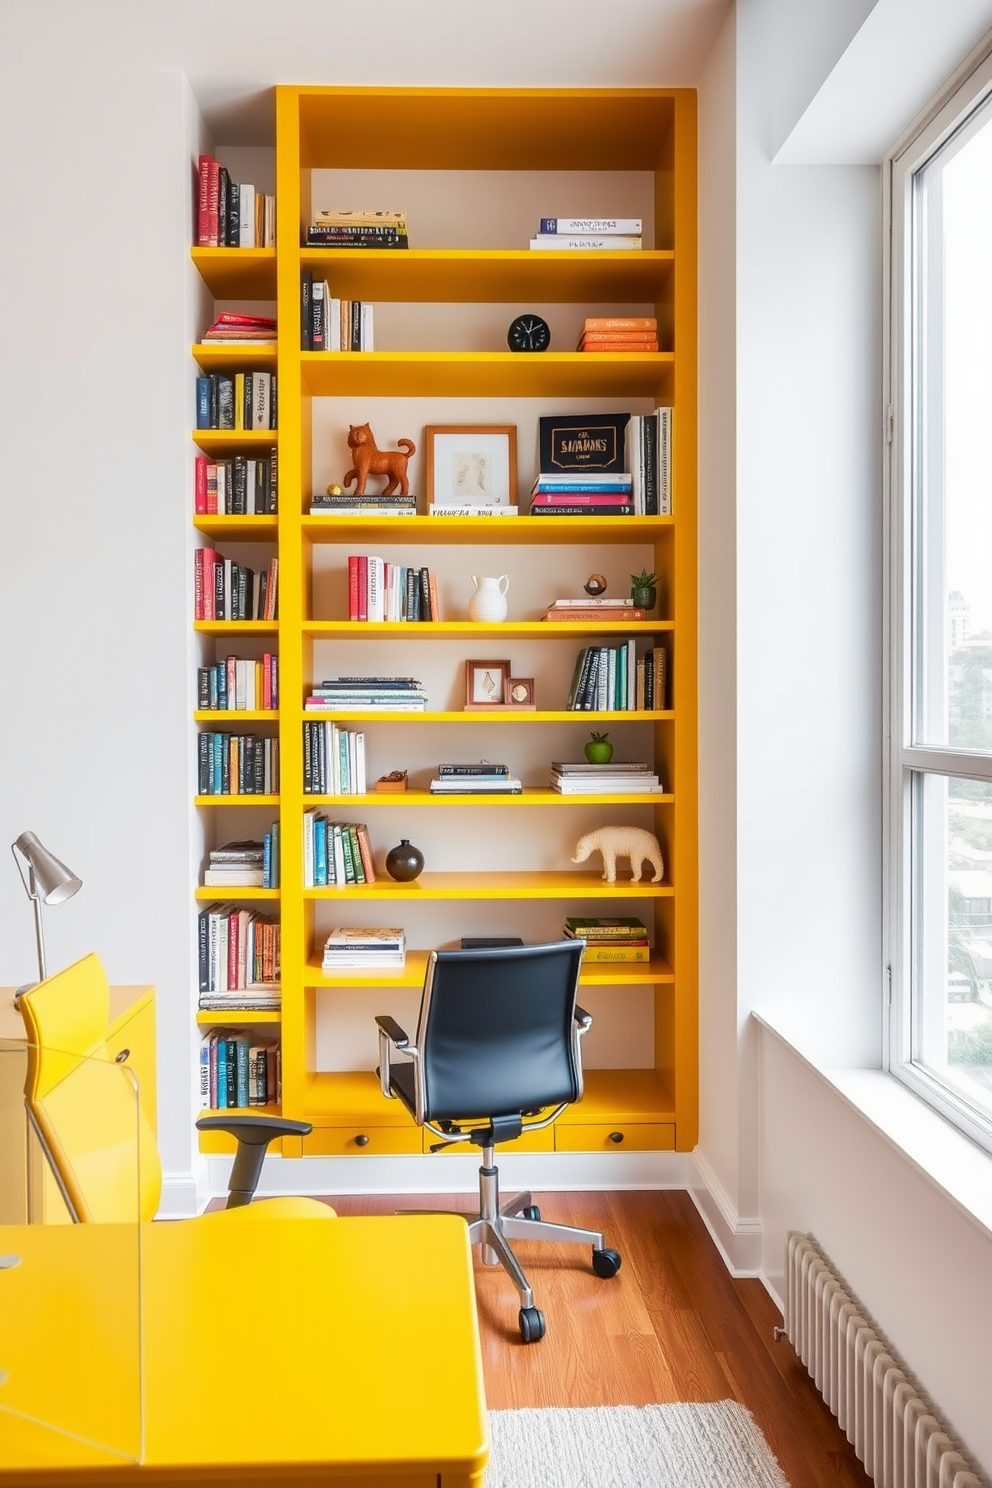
(485, 684)
(520, 692)
(471, 464)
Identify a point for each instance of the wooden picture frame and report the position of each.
(485, 684)
(520, 693)
(471, 464)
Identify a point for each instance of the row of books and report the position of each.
(238, 951)
(239, 1070)
(347, 504)
(368, 695)
(335, 228)
(620, 939)
(333, 760)
(595, 609)
(328, 323)
(619, 333)
(237, 765)
(605, 234)
(231, 214)
(364, 948)
(335, 852)
(231, 328)
(580, 778)
(582, 494)
(239, 684)
(245, 864)
(245, 401)
(378, 590)
(648, 443)
(482, 779)
(243, 486)
(225, 590)
(610, 679)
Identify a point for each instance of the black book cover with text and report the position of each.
(582, 441)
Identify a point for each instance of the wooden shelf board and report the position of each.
(206, 1019)
(238, 529)
(236, 627)
(224, 892)
(493, 276)
(235, 716)
(352, 1096)
(476, 374)
(531, 796)
(623, 1095)
(492, 715)
(490, 530)
(226, 442)
(412, 974)
(514, 630)
(237, 273)
(216, 356)
(237, 800)
(554, 884)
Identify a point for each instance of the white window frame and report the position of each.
(970, 86)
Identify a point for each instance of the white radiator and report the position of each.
(892, 1427)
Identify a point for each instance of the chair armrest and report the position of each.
(393, 1031)
(253, 1133)
(390, 1035)
(583, 1019)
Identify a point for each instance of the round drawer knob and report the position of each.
(122, 1057)
(361, 1140)
(616, 1137)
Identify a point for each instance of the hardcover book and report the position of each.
(572, 441)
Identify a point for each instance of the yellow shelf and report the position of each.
(554, 884)
(235, 1015)
(648, 973)
(235, 715)
(531, 796)
(235, 891)
(236, 627)
(464, 531)
(513, 630)
(237, 800)
(618, 1096)
(217, 356)
(238, 529)
(487, 374)
(492, 715)
(492, 275)
(237, 273)
(225, 442)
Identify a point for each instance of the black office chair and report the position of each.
(497, 1043)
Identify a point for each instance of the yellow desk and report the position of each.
(287, 1352)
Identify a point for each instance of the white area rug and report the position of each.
(623, 1446)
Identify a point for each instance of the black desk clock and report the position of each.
(528, 333)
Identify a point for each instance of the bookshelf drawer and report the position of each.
(539, 1141)
(638, 1136)
(361, 1141)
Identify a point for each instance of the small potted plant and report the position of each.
(599, 750)
(643, 590)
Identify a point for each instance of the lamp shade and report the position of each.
(54, 881)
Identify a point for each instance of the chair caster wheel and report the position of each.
(531, 1324)
(606, 1262)
(531, 1212)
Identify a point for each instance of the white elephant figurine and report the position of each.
(622, 842)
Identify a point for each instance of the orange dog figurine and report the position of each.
(372, 461)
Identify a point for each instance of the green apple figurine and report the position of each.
(599, 750)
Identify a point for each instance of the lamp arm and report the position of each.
(31, 889)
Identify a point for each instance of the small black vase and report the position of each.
(404, 863)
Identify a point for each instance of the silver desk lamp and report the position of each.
(48, 881)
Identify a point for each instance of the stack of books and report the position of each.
(225, 590)
(350, 946)
(332, 228)
(603, 234)
(595, 609)
(236, 864)
(238, 958)
(648, 443)
(619, 333)
(256, 330)
(368, 695)
(610, 679)
(580, 778)
(229, 214)
(239, 684)
(621, 939)
(242, 486)
(378, 590)
(345, 504)
(482, 779)
(245, 401)
(574, 493)
(337, 853)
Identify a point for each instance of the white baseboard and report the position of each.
(738, 1240)
(184, 1194)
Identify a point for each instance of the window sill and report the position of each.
(957, 1167)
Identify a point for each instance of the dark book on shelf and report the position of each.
(485, 942)
(573, 441)
(306, 321)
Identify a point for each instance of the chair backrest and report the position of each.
(85, 1107)
(496, 1031)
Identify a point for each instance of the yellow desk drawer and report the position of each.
(361, 1141)
(539, 1141)
(635, 1136)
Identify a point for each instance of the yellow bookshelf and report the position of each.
(501, 131)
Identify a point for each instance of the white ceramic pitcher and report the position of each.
(488, 603)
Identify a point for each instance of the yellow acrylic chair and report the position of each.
(95, 1136)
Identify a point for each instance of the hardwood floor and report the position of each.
(672, 1326)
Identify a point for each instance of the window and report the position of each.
(939, 791)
